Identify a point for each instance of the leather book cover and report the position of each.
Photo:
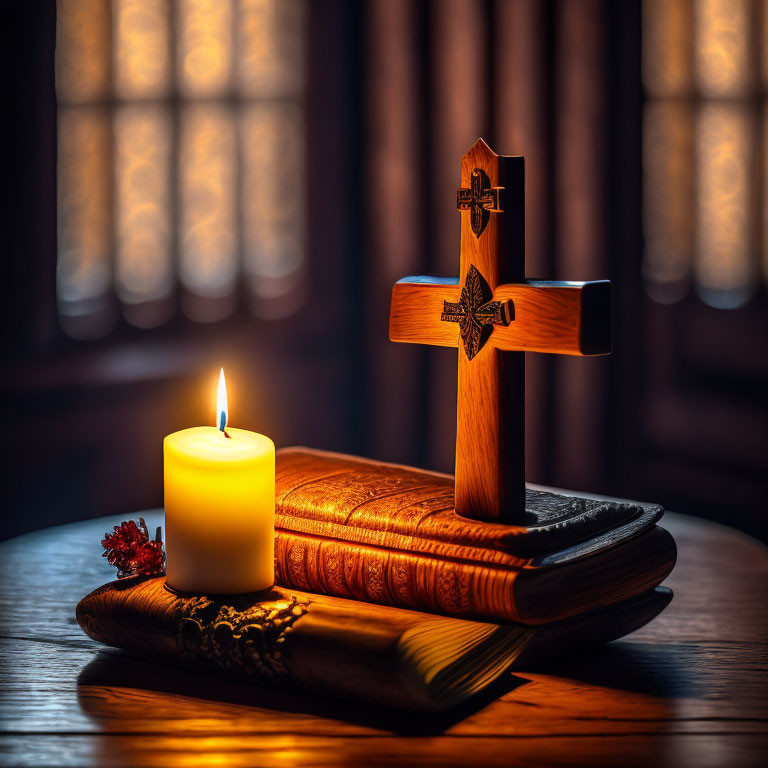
(377, 654)
(388, 534)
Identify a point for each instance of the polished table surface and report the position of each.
(689, 689)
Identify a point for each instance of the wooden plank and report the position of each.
(415, 311)
(562, 318)
(556, 317)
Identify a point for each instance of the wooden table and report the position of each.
(689, 689)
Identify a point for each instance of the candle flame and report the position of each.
(222, 411)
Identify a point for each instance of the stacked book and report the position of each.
(384, 594)
(389, 534)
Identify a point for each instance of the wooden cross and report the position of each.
(494, 315)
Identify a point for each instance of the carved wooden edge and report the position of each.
(248, 641)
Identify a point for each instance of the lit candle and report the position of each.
(219, 507)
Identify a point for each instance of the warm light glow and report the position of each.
(142, 56)
(84, 275)
(207, 178)
(668, 198)
(667, 42)
(270, 48)
(83, 51)
(271, 138)
(723, 48)
(725, 155)
(143, 203)
(222, 411)
(701, 148)
(204, 50)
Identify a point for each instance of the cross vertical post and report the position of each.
(490, 438)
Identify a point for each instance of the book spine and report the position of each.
(388, 577)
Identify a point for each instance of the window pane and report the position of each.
(270, 48)
(142, 49)
(668, 169)
(208, 206)
(204, 52)
(725, 156)
(667, 47)
(83, 50)
(272, 139)
(84, 275)
(701, 146)
(191, 170)
(143, 205)
(723, 52)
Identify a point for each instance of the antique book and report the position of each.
(378, 654)
(389, 534)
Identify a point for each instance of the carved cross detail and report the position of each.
(475, 313)
(480, 199)
(496, 315)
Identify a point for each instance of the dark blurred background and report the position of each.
(196, 184)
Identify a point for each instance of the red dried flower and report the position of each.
(130, 550)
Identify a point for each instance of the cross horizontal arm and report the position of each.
(546, 316)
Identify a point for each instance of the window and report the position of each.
(181, 160)
(705, 149)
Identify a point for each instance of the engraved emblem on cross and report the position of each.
(481, 199)
(475, 313)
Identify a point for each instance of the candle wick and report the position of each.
(223, 423)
